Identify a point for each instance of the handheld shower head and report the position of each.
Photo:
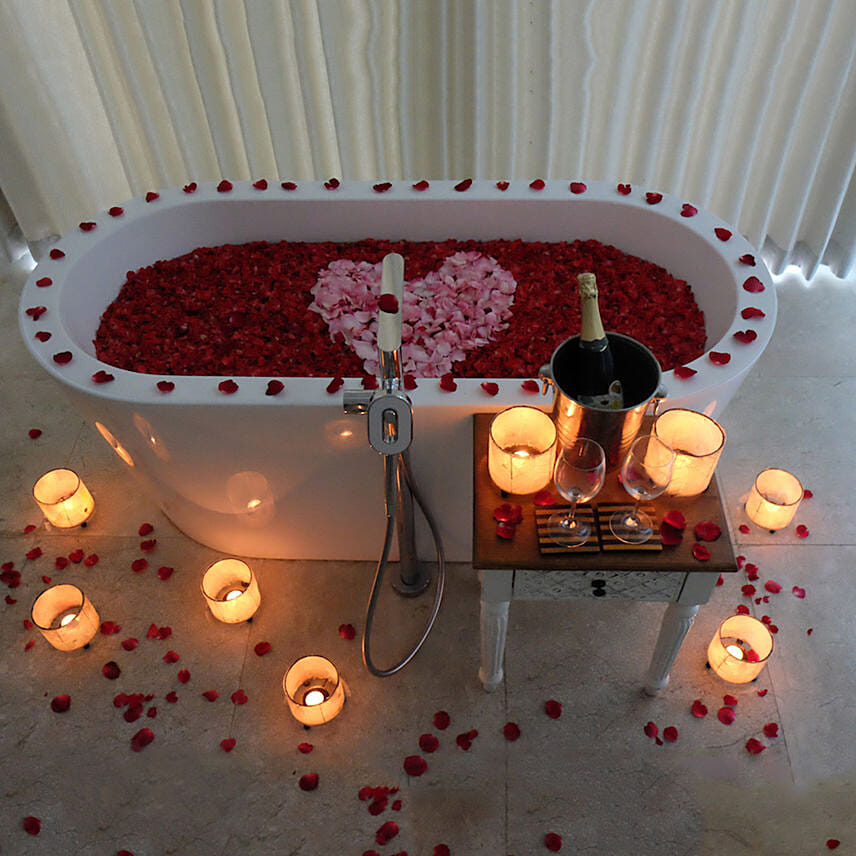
(389, 321)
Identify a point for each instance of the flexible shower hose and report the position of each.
(391, 511)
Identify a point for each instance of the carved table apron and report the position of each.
(516, 569)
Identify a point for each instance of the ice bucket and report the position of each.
(615, 430)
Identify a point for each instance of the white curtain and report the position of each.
(744, 107)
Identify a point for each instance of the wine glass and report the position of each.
(645, 473)
(579, 474)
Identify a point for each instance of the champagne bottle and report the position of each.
(597, 385)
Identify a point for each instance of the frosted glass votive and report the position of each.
(314, 690)
(521, 449)
(65, 616)
(740, 648)
(774, 498)
(698, 441)
(231, 590)
(63, 498)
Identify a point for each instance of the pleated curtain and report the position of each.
(744, 107)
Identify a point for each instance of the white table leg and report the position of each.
(676, 624)
(496, 587)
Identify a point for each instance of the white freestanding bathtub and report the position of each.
(290, 476)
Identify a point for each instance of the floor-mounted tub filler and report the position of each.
(288, 476)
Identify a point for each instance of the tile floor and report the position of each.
(591, 776)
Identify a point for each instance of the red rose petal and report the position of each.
(505, 530)
(388, 303)
(722, 234)
(165, 385)
(43, 335)
(743, 528)
(511, 731)
(684, 372)
(421, 185)
(726, 715)
(670, 733)
(386, 832)
(707, 531)
(802, 531)
(746, 336)
(139, 565)
(553, 709)
(772, 586)
(577, 187)
(832, 843)
(239, 697)
(142, 739)
(87, 226)
(335, 385)
(60, 703)
(346, 631)
(796, 591)
(369, 382)
(56, 254)
(91, 560)
(165, 572)
(36, 312)
(288, 185)
(145, 529)
(807, 494)
(274, 387)
(753, 285)
(447, 383)
(62, 358)
(441, 720)
(134, 712)
(441, 850)
(228, 744)
(44, 282)
(752, 312)
(742, 609)
(130, 643)
(465, 740)
(227, 386)
(490, 387)
(148, 546)
(171, 657)
(719, 358)
(669, 536)
(224, 186)
(623, 189)
(537, 184)
(699, 709)
(502, 185)
(675, 519)
(190, 188)
(651, 729)
(184, 676)
(261, 184)
(461, 186)
(262, 648)
(544, 498)
(382, 186)
(116, 211)
(553, 842)
(653, 198)
(754, 746)
(111, 670)
(415, 765)
(32, 825)
(747, 259)
(35, 553)
(171, 696)
(211, 695)
(428, 743)
(151, 196)
(688, 210)
(332, 184)
(730, 700)
(700, 552)
(771, 729)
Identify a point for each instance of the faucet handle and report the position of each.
(390, 423)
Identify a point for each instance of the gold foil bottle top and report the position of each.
(588, 285)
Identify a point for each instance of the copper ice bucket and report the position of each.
(639, 372)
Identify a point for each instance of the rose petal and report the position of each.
(288, 185)
(184, 676)
(577, 187)
(165, 572)
(537, 184)
(332, 184)
(335, 385)
(832, 843)
(441, 720)
(753, 285)
(111, 670)
(746, 336)
(32, 825)
(421, 185)
(441, 850)
(428, 743)
(386, 832)
(726, 715)
(502, 185)
(544, 498)
(623, 189)
(699, 709)
(771, 729)
(505, 530)
(171, 657)
(227, 387)
(262, 648)
(651, 729)
(274, 387)
(730, 700)
(465, 740)
(211, 695)
(42, 335)
(796, 591)
(490, 387)
(44, 282)
(461, 186)
(670, 733)
(228, 744)
(149, 545)
(675, 518)
(807, 494)
(700, 552)
(754, 746)
(447, 383)
(772, 586)
(308, 782)
(151, 196)
(305, 748)
(224, 186)
(752, 312)
(530, 386)
(142, 739)
(744, 529)
(87, 226)
(688, 210)
(653, 198)
(56, 254)
(553, 842)
(261, 184)
(415, 765)
(802, 531)
(130, 643)
(719, 358)
(684, 372)
(239, 697)
(60, 703)
(511, 731)
(62, 358)
(707, 531)
(190, 188)
(91, 560)
(36, 312)
(346, 631)
(388, 303)
(553, 708)
(139, 565)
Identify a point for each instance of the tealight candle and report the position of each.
(740, 648)
(698, 441)
(231, 590)
(774, 498)
(314, 690)
(521, 449)
(65, 617)
(63, 498)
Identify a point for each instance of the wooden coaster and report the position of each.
(608, 541)
(548, 547)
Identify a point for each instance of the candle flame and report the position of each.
(314, 697)
(235, 593)
(253, 503)
(736, 651)
(67, 619)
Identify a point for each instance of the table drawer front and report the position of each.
(622, 585)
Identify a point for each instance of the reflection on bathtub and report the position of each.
(251, 497)
(345, 433)
(117, 447)
(153, 440)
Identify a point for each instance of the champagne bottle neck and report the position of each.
(592, 335)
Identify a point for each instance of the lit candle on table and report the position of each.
(521, 450)
(698, 441)
(231, 591)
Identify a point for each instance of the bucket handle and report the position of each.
(545, 374)
(659, 397)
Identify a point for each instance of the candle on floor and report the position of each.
(698, 441)
(65, 617)
(774, 498)
(231, 590)
(740, 648)
(63, 498)
(521, 450)
(314, 690)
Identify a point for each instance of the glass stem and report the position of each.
(569, 520)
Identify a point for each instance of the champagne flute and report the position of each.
(579, 475)
(645, 474)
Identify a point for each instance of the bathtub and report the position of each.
(290, 475)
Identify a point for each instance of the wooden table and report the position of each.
(516, 569)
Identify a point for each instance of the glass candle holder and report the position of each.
(314, 690)
(65, 617)
(231, 590)
(698, 441)
(63, 498)
(774, 498)
(521, 449)
(740, 648)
